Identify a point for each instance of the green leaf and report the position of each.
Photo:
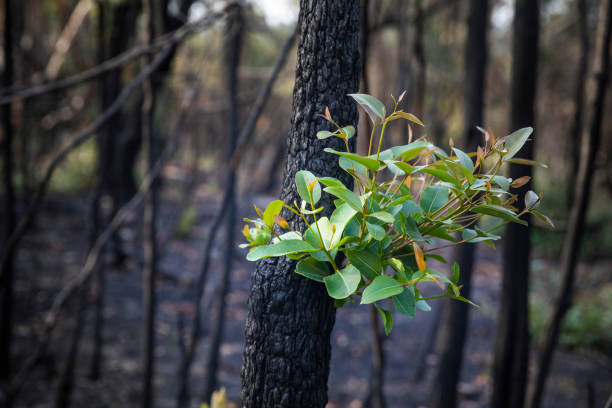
(286, 236)
(515, 141)
(409, 116)
(281, 248)
(465, 160)
(338, 303)
(531, 199)
(405, 303)
(383, 216)
(439, 274)
(437, 257)
(312, 269)
(373, 107)
(399, 268)
(370, 163)
(462, 299)
(398, 166)
(458, 171)
(455, 273)
(409, 151)
(349, 131)
(387, 319)
(412, 230)
(382, 287)
(376, 230)
(468, 235)
(433, 198)
(324, 134)
(343, 283)
(352, 167)
(410, 209)
(366, 261)
(274, 208)
(444, 176)
(502, 181)
(329, 238)
(441, 232)
(331, 182)
(498, 211)
(347, 196)
(527, 162)
(341, 216)
(303, 179)
(423, 306)
(543, 218)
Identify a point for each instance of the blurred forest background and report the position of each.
(136, 133)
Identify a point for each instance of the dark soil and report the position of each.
(54, 251)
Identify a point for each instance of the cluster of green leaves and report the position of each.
(409, 202)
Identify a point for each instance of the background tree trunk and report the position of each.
(574, 136)
(9, 216)
(512, 338)
(287, 350)
(149, 274)
(584, 180)
(455, 314)
(234, 31)
(404, 66)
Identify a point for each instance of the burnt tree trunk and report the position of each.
(290, 318)
(8, 213)
(512, 338)
(455, 315)
(149, 298)
(571, 246)
(234, 31)
(364, 45)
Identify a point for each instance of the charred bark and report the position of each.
(289, 323)
(9, 215)
(149, 298)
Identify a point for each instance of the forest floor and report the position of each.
(54, 251)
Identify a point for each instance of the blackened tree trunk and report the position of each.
(235, 25)
(290, 318)
(96, 360)
(512, 338)
(455, 317)
(364, 45)
(584, 180)
(122, 142)
(149, 299)
(8, 216)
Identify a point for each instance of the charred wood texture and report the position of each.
(290, 318)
